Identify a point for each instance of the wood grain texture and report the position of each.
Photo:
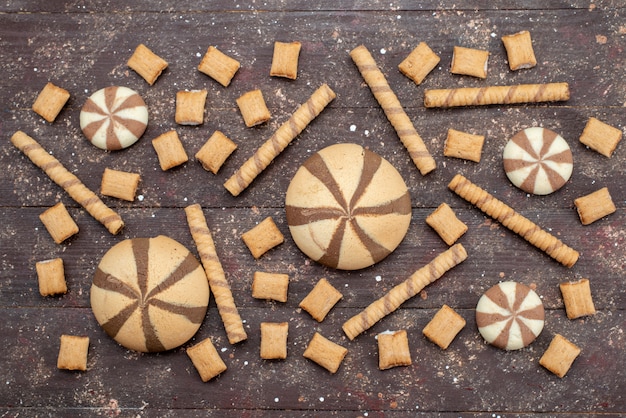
(83, 46)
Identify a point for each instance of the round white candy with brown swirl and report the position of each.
(538, 161)
(114, 118)
(510, 315)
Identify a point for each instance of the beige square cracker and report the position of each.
(419, 63)
(324, 352)
(393, 349)
(444, 221)
(559, 356)
(119, 184)
(73, 353)
(594, 206)
(577, 298)
(215, 151)
(190, 107)
(59, 223)
(463, 145)
(469, 61)
(206, 359)
(444, 327)
(274, 340)
(51, 277)
(263, 237)
(601, 137)
(219, 66)
(285, 60)
(170, 150)
(519, 50)
(50, 101)
(270, 286)
(321, 300)
(147, 64)
(253, 109)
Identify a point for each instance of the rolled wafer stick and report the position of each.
(217, 280)
(279, 140)
(481, 96)
(404, 291)
(517, 223)
(390, 104)
(68, 181)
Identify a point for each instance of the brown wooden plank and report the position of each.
(83, 46)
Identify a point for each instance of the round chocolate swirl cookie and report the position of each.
(347, 207)
(149, 294)
(114, 118)
(538, 161)
(510, 315)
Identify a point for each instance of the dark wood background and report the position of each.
(83, 46)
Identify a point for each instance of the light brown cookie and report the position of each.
(347, 207)
(149, 294)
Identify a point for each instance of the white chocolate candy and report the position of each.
(510, 315)
(538, 161)
(114, 118)
(347, 207)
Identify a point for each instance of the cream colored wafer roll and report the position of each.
(404, 291)
(286, 133)
(517, 223)
(68, 181)
(392, 107)
(217, 279)
(488, 95)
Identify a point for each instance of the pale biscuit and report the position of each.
(393, 349)
(147, 64)
(469, 61)
(324, 352)
(119, 184)
(285, 60)
(219, 66)
(419, 63)
(594, 206)
(50, 101)
(463, 145)
(444, 221)
(519, 50)
(169, 150)
(263, 237)
(321, 300)
(577, 298)
(206, 360)
(59, 223)
(253, 108)
(274, 340)
(73, 352)
(215, 151)
(190, 107)
(601, 137)
(444, 327)
(559, 356)
(51, 277)
(270, 286)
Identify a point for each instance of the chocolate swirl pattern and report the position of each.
(149, 294)
(510, 315)
(538, 161)
(114, 118)
(347, 207)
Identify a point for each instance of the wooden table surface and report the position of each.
(84, 45)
